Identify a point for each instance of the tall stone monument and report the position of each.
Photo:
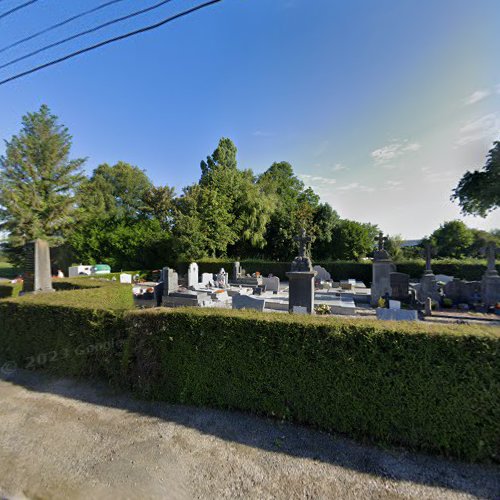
(37, 275)
(301, 278)
(193, 275)
(170, 281)
(381, 271)
(428, 283)
(490, 284)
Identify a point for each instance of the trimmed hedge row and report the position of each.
(343, 270)
(432, 388)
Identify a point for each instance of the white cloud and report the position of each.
(394, 150)
(356, 186)
(486, 127)
(338, 167)
(317, 180)
(477, 96)
(394, 183)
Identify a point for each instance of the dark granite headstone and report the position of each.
(400, 285)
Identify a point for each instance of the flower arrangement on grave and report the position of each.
(322, 309)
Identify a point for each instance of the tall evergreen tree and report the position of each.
(38, 182)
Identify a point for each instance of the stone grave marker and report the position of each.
(125, 278)
(322, 274)
(271, 284)
(400, 285)
(193, 276)
(38, 276)
(170, 280)
(248, 302)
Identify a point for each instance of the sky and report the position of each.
(380, 106)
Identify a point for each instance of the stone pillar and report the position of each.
(193, 276)
(170, 281)
(236, 271)
(38, 276)
(490, 284)
(301, 290)
(381, 275)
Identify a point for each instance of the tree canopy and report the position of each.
(478, 192)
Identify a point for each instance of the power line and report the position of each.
(58, 25)
(19, 7)
(86, 32)
(110, 40)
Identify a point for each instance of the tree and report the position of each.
(115, 191)
(353, 240)
(38, 183)
(452, 239)
(324, 222)
(295, 208)
(158, 203)
(394, 246)
(478, 192)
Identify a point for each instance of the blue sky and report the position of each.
(380, 106)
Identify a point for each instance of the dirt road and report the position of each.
(68, 439)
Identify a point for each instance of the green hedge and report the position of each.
(343, 270)
(433, 388)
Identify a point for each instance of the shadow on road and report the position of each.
(270, 435)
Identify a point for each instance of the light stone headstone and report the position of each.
(394, 304)
(125, 278)
(38, 276)
(271, 284)
(170, 280)
(236, 270)
(299, 310)
(193, 276)
(322, 274)
(207, 279)
(381, 272)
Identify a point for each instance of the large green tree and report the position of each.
(353, 240)
(38, 182)
(452, 239)
(478, 192)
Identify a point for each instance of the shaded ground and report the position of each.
(61, 438)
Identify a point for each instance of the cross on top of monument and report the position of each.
(303, 240)
(382, 240)
(491, 252)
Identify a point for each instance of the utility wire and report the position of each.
(62, 23)
(86, 32)
(19, 7)
(111, 40)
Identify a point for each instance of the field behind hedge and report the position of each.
(429, 387)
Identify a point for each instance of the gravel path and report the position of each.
(62, 438)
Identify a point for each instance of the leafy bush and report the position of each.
(428, 387)
(435, 389)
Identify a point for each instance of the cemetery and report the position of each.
(217, 321)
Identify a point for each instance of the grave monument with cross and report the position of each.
(301, 278)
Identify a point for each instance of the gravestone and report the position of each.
(322, 274)
(394, 304)
(463, 292)
(37, 277)
(207, 279)
(193, 276)
(222, 280)
(397, 314)
(248, 302)
(301, 278)
(429, 287)
(400, 285)
(170, 280)
(236, 270)
(271, 284)
(490, 284)
(125, 278)
(381, 271)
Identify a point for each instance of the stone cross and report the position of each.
(382, 240)
(428, 256)
(303, 240)
(491, 252)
